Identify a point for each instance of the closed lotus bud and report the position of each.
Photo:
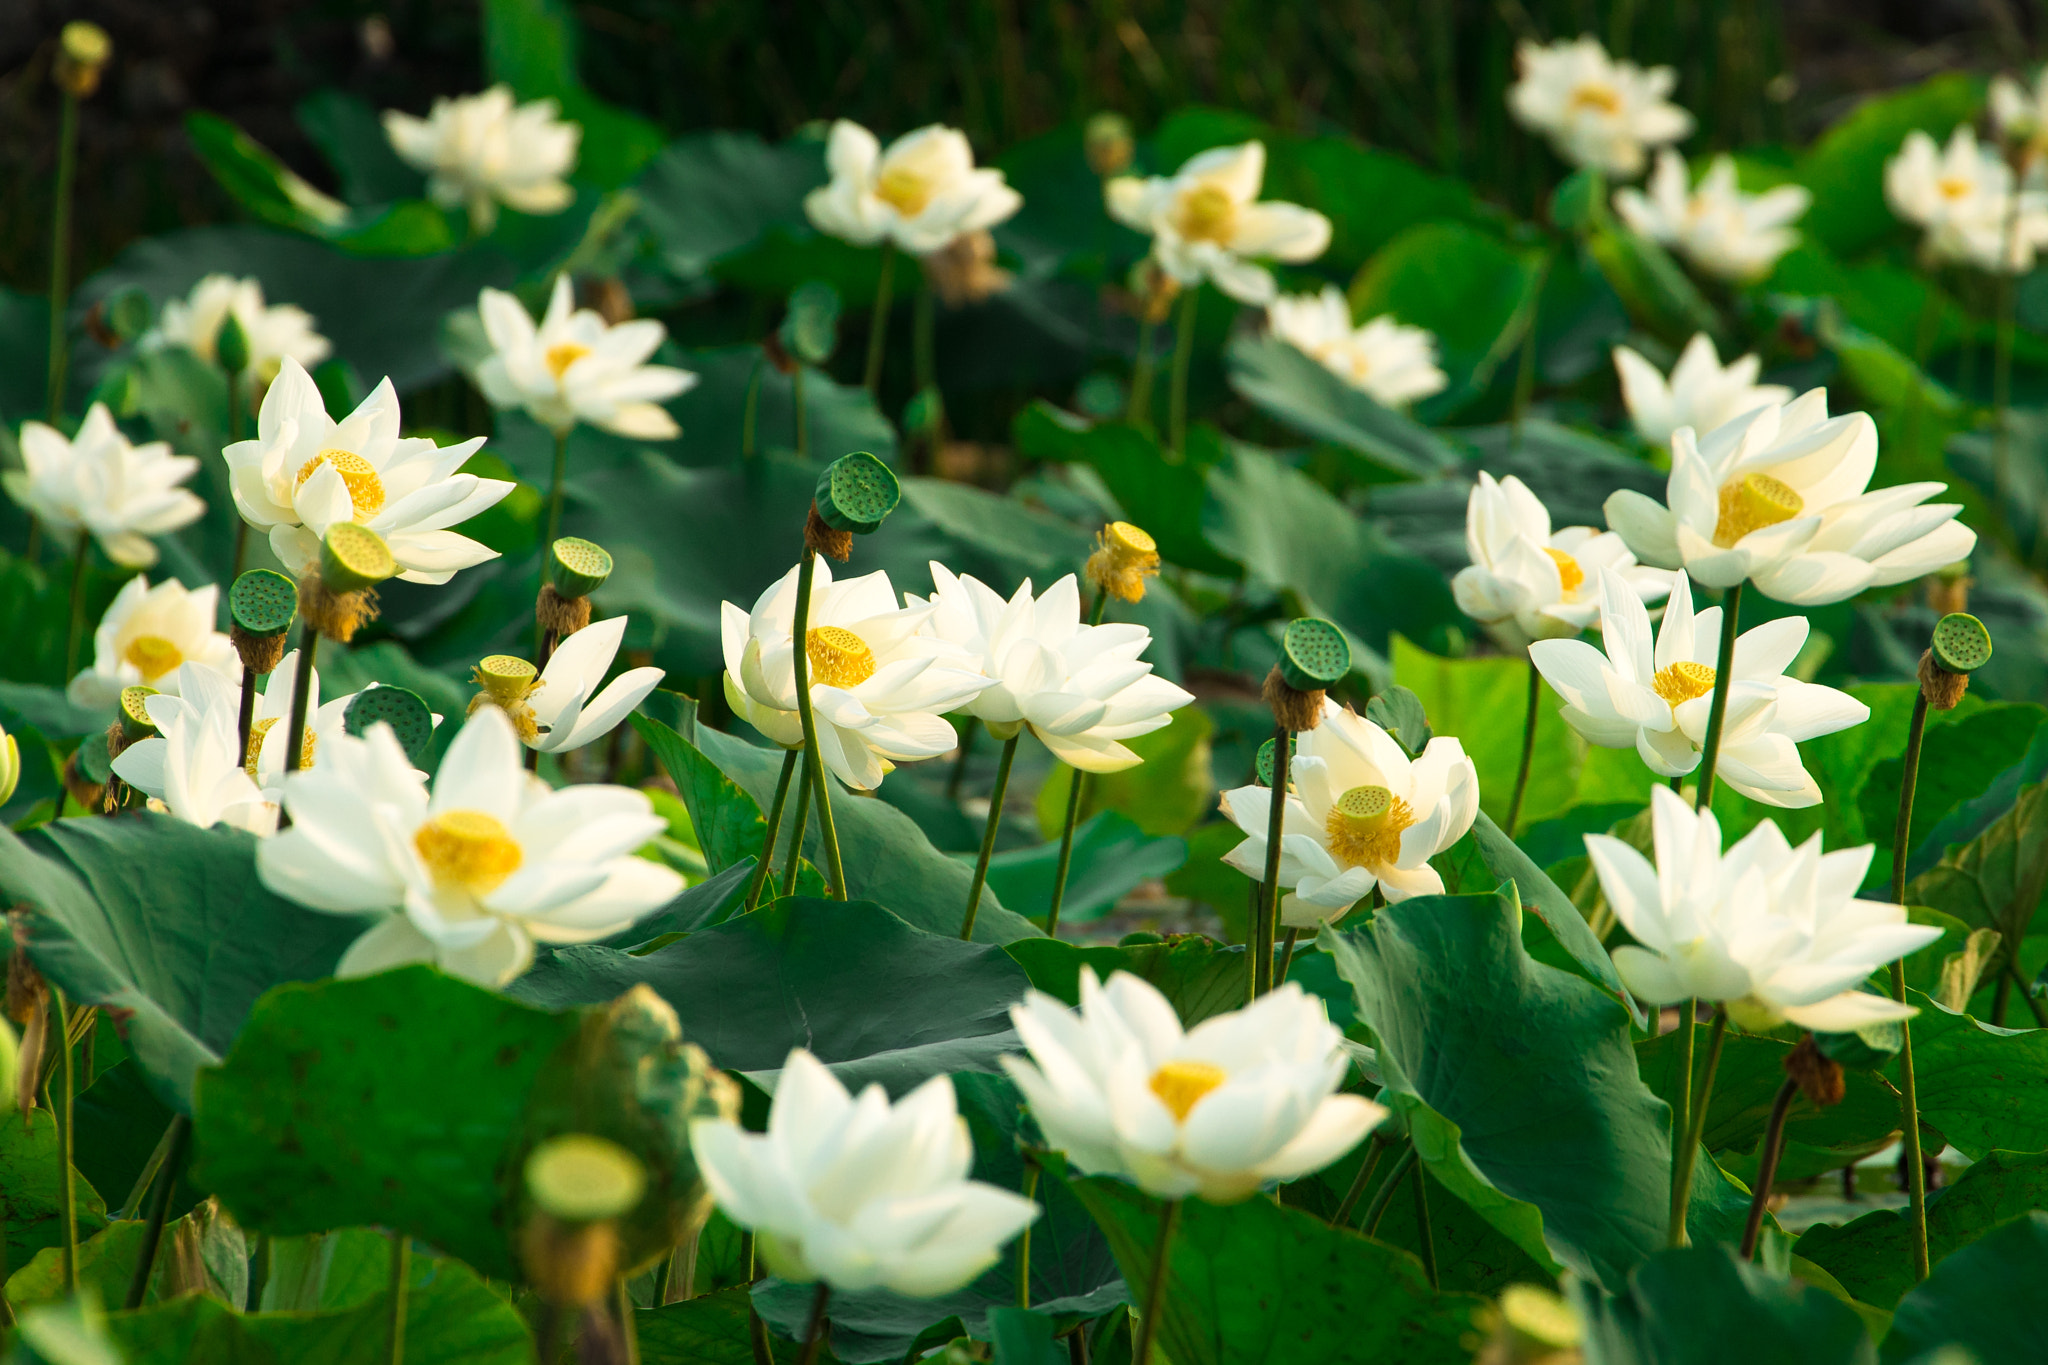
(231, 345)
(10, 767)
(83, 50)
(1108, 144)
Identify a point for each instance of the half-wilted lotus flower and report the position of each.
(576, 368)
(1206, 223)
(1775, 933)
(1527, 583)
(147, 634)
(479, 151)
(193, 764)
(493, 861)
(119, 494)
(859, 1192)
(1362, 814)
(1721, 230)
(1080, 688)
(1962, 194)
(1390, 362)
(1702, 393)
(1219, 1110)
(273, 331)
(1596, 111)
(921, 194)
(304, 472)
(1777, 497)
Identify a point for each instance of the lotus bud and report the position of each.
(10, 767)
(83, 50)
(1108, 145)
(340, 595)
(231, 346)
(575, 569)
(1314, 656)
(580, 1186)
(1125, 556)
(1960, 646)
(261, 606)
(853, 497)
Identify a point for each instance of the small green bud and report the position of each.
(263, 602)
(577, 567)
(582, 1179)
(231, 345)
(354, 557)
(856, 492)
(1961, 643)
(1314, 655)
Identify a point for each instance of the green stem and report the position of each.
(1909, 1088)
(1183, 356)
(1286, 956)
(555, 492)
(629, 1330)
(878, 322)
(1139, 413)
(67, 1203)
(1724, 674)
(246, 719)
(1909, 779)
(2034, 1006)
(1384, 1195)
(1681, 1110)
(1059, 876)
(1375, 1150)
(76, 632)
(795, 862)
(814, 765)
(159, 1208)
(1422, 1232)
(234, 438)
(302, 689)
(60, 253)
(988, 833)
(762, 869)
(814, 1336)
(750, 415)
(1024, 1238)
(401, 1284)
(1923, 347)
(1528, 747)
(1767, 1166)
(1155, 1289)
(1259, 970)
(1688, 1155)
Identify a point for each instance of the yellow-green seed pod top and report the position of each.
(856, 492)
(83, 51)
(1314, 655)
(583, 1179)
(1961, 643)
(354, 557)
(263, 602)
(1107, 142)
(577, 567)
(135, 721)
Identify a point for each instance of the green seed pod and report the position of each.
(231, 345)
(263, 602)
(1266, 762)
(402, 710)
(581, 1179)
(354, 557)
(576, 567)
(135, 721)
(856, 492)
(128, 312)
(1313, 655)
(1961, 643)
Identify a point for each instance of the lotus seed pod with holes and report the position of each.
(354, 557)
(507, 677)
(231, 345)
(1961, 643)
(263, 602)
(582, 1179)
(135, 721)
(856, 492)
(1266, 762)
(402, 710)
(577, 567)
(1314, 656)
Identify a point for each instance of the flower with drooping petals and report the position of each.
(147, 634)
(1702, 393)
(192, 765)
(575, 368)
(118, 493)
(1391, 363)
(1728, 234)
(273, 331)
(921, 194)
(1596, 111)
(1206, 223)
(1524, 582)
(479, 151)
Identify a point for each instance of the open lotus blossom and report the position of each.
(193, 765)
(147, 634)
(1962, 194)
(576, 368)
(304, 472)
(2020, 115)
(471, 876)
(1206, 223)
(1702, 393)
(1527, 583)
(859, 1192)
(879, 683)
(1777, 497)
(273, 331)
(1391, 363)
(270, 724)
(921, 194)
(1773, 932)
(1238, 1101)
(1596, 111)
(1721, 230)
(1362, 814)
(119, 494)
(1655, 695)
(480, 151)
(1080, 688)
(569, 710)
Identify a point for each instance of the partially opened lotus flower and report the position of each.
(120, 494)
(1778, 497)
(1240, 1100)
(857, 1191)
(569, 710)
(1392, 363)
(193, 765)
(1719, 229)
(574, 367)
(272, 331)
(1206, 222)
(147, 635)
(1702, 393)
(480, 151)
(1527, 583)
(1595, 110)
(921, 194)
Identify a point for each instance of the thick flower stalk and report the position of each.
(1391, 363)
(271, 333)
(1714, 225)
(1700, 393)
(98, 484)
(147, 635)
(1206, 222)
(1597, 112)
(574, 367)
(480, 151)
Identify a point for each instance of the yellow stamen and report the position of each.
(1208, 214)
(153, 655)
(1683, 681)
(1568, 571)
(904, 189)
(1365, 826)
(1602, 99)
(1126, 557)
(839, 658)
(468, 849)
(1181, 1084)
(1952, 187)
(261, 727)
(562, 355)
(358, 475)
(1751, 503)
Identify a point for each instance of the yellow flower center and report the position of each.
(358, 475)
(257, 730)
(1751, 503)
(468, 849)
(562, 355)
(1954, 187)
(1599, 99)
(904, 189)
(839, 658)
(1568, 571)
(1181, 1084)
(1683, 681)
(153, 656)
(1207, 214)
(1365, 826)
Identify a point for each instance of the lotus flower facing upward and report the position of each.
(1596, 111)
(1527, 583)
(96, 482)
(479, 151)
(147, 635)
(574, 368)
(1206, 223)
(1702, 393)
(922, 194)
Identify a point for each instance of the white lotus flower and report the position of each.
(147, 634)
(859, 1192)
(879, 684)
(493, 861)
(118, 493)
(2021, 115)
(1702, 393)
(1596, 111)
(304, 471)
(193, 765)
(478, 151)
(1962, 194)
(1238, 1101)
(1362, 814)
(273, 331)
(1777, 496)
(1721, 230)
(1080, 688)
(1206, 224)
(1524, 582)
(568, 708)
(921, 194)
(575, 368)
(1775, 933)
(1655, 696)
(270, 724)
(1391, 363)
